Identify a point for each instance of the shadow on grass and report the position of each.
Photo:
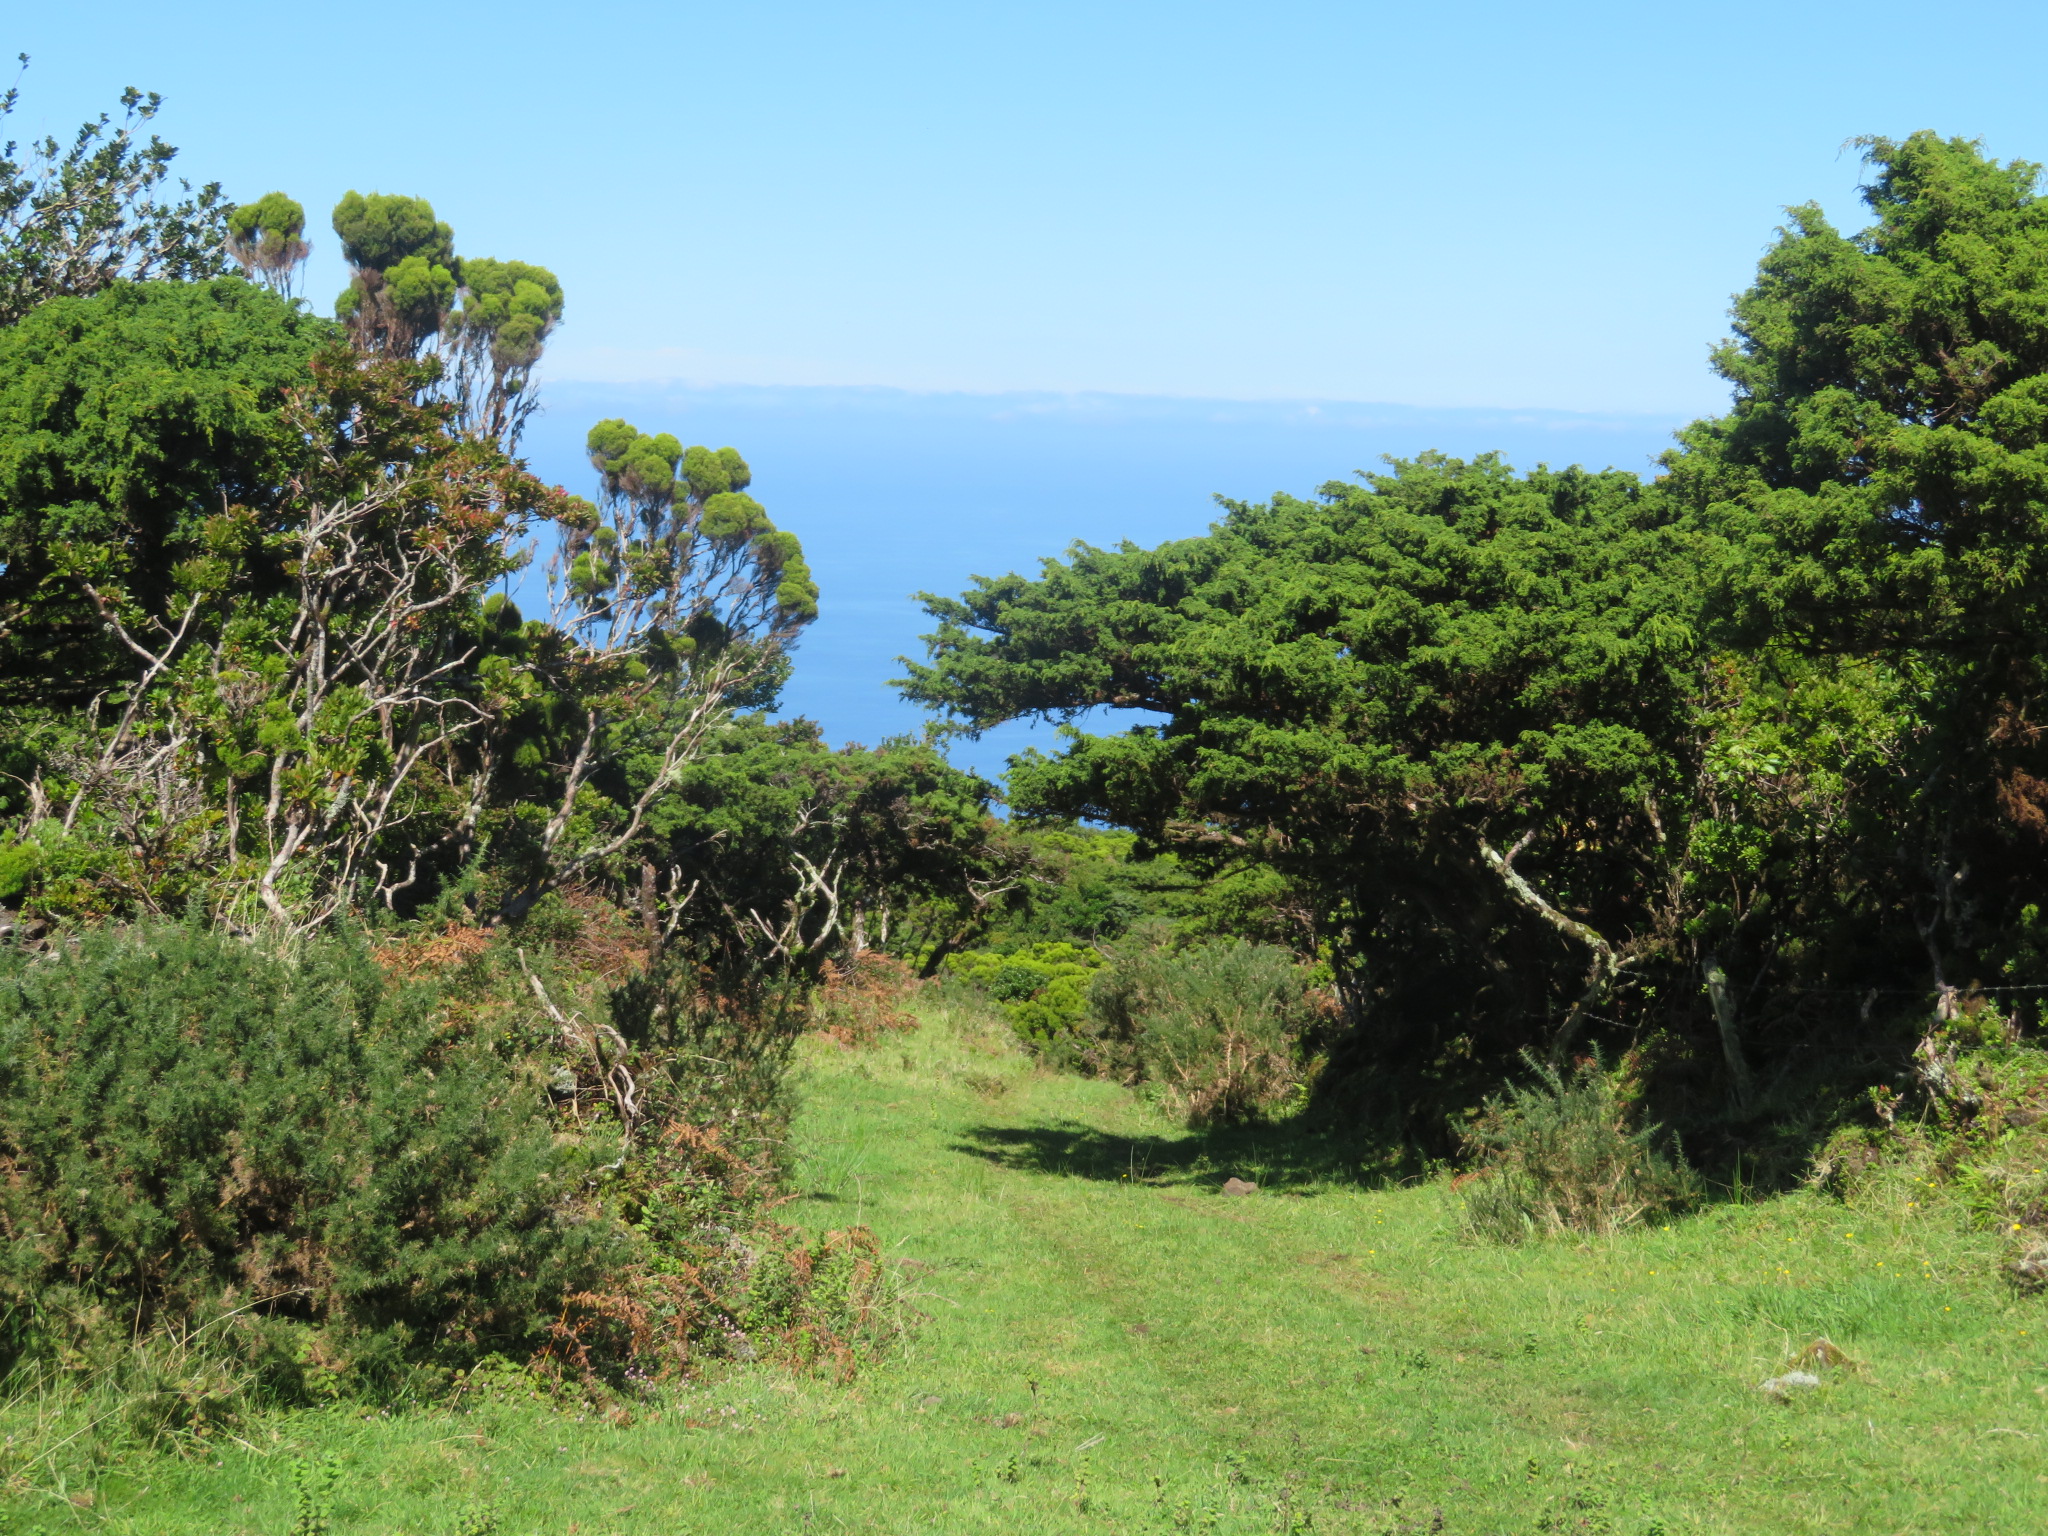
(1288, 1154)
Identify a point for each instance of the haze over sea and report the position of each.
(895, 492)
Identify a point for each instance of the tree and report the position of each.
(1450, 704)
(129, 422)
(1885, 471)
(266, 238)
(403, 297)
(291, 686)
(673, 601)
(76, 217)
(773, 852)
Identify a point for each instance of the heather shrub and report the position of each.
(1560, 1155)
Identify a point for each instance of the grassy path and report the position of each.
(1111, 1345)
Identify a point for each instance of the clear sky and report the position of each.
(1461, 203)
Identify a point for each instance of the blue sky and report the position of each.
(775, 217)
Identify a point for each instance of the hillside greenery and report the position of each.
(418, 917)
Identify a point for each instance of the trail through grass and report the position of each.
(1109, 1344)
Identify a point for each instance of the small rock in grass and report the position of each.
(1239, 1187)
(1782, 1387)
(835, 1471)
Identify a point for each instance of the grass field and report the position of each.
(1109, 1344)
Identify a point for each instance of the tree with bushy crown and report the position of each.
(487, 320)
(509, 309)
(405, 271)
(684, 601)
(511, 306)
(266, 238)
(381, 230)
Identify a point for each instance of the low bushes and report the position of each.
(1042, 989)
(1967, 1125)
(1216, 1029)
(1558, 1155)
(366, 1170)
(191, 1129)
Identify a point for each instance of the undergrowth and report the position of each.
(394, 1170)
(1560, 1154)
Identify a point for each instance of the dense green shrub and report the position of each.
(1558, 1155)
(1042, 988)
(1216, 1028)
(192, 1126)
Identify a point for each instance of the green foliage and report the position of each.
(1699, 762)
(514, 305)
(1881, 477)
(667, 510)
(198, 1130)
(1969, 1128)
(1356, 693)
(382, 230)
(313, 1493)
(1042, 989)
(267, 237)
(76, 217)
(1559, 1155)
(406, 274)
(1217, 1029)
(131, 423)
(885, 843)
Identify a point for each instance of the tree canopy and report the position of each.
(1567, 756)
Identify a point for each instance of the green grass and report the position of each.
(1109, 1345)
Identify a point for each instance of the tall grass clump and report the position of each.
(1559, 1155)
(1216, 1028)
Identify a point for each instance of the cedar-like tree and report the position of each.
(1450, 705)
(1884, 475)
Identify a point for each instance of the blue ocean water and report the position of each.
(894, 493)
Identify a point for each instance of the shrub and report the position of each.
(1041, 988)
(1215, 1028)
(1557, 1155)
(194, 1129)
